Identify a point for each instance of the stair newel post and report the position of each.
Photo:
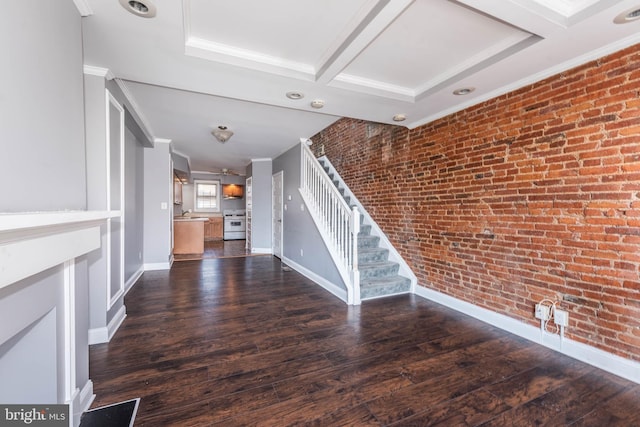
(355, 273)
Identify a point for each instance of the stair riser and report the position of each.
(368, 242)
(387, 271)
(365, 230)
(366, 294)
(381, 255)
(399, 285)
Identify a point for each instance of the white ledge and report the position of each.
(29, 220)
(32, 242)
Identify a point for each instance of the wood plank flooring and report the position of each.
(217, 249)
(242, 342)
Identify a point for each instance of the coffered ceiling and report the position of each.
(198, 64)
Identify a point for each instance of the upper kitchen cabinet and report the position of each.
(181, 175)
(177, 189)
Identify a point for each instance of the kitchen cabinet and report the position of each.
(213, 229)
(188, 236)
(177, 192)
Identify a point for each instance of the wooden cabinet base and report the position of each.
(213, 229)
(188, 237)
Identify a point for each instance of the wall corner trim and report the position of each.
(83, 400)
(105, 333)
(601, 359)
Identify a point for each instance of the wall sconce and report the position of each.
(222, 134)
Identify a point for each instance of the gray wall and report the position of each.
(261, 200)
(41, 107)
(299, 230)
(133, 205)
(135, 140)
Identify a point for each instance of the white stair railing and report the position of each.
(338, 223)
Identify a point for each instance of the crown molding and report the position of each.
(83, 7)
(98, 71)
(136, 108)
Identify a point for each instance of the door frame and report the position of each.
(274, 177)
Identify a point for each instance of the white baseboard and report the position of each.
(133, 279)
(261, 250)
(105, 333)
(157, 266)
(601, 359)
(329, 286)
(117, 320)
(82, 402)
(86, 395)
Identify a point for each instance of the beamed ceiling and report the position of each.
(199, 64)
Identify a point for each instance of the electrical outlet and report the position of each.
(542, 312)
(561, 317)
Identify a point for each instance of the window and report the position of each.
(207, 196)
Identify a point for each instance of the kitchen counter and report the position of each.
(188, 235)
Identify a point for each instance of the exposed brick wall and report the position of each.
(531, 195)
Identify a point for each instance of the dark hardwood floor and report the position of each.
(218, 249)
(240, 341)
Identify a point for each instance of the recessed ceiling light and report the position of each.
(295, 95)
(464, 91)
(317, 103)
(628, 16)
(399, 118)
(142, 8)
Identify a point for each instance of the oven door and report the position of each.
(234, 228)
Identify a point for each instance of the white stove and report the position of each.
(234, 224)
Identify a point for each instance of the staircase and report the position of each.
(378, 275)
